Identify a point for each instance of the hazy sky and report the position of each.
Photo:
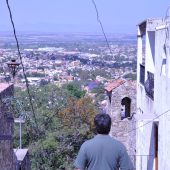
(117, 16)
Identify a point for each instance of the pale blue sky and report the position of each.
(117, 16)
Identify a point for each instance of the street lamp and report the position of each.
(20, 120)
(13, 66)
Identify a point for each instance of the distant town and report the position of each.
(63, 58)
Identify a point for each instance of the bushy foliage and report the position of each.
(131, 76)
(65, 120)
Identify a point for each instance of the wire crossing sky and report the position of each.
(79, 16)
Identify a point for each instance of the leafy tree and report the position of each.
(65, 120)
(131, 76)
(74, 90)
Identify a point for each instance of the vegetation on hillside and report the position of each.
(64, 121)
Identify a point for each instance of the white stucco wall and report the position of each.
(157, 61)
(162, 99)
(145, 146)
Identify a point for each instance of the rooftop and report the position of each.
(149, 25)
(116, 83)
(150, 20)
(113, 85)
(4, 86)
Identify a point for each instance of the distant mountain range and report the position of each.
(57, 37)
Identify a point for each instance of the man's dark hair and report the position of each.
(103, 123)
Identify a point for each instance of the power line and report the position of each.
(149, 121)
(23, 69)
(146, 122)
(101, 25)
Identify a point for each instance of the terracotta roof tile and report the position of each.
(113, 85)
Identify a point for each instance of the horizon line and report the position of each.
(65, 32)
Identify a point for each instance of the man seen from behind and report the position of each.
(103, 152)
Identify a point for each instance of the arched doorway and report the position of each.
(126, 105)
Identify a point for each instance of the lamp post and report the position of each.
(13, 66)
(20, 120)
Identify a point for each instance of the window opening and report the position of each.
(149, 85)
(126, 107)
(142, 74)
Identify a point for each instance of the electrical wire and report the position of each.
(145, 123)
(101, 25)
(148, 122)
(22, 65)
(102, 28)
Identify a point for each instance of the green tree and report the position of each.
(65, 121)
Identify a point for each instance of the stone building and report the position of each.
(7, 157)
(122, 107)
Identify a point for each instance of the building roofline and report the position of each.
(4, 86)
(141, 22)
(149, 19)
(6, 90)
(113, 85)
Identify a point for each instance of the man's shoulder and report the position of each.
(88, 142)
(118, 142)
(107, 138)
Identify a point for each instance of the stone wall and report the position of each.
(120, 129)
(7, 158)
